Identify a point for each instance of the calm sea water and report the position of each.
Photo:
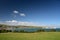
(34, 29)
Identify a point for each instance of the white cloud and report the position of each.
(14, 22)
(22, 14)
(25, 23)
(15, 12)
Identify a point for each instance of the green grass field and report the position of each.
(30, 36)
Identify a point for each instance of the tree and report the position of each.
(52, 30)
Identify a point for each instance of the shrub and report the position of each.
(41, 30)
(22, 31)
(53, 30)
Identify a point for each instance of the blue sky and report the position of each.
(41, 12)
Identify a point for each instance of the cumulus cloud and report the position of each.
(14, 22)
(22, 14)
(15, 12)
(25, 23)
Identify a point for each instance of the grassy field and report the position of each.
(30, 36)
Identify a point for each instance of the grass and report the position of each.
(30, 36)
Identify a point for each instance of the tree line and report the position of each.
(3, 30)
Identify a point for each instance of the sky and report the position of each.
(30, 12)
